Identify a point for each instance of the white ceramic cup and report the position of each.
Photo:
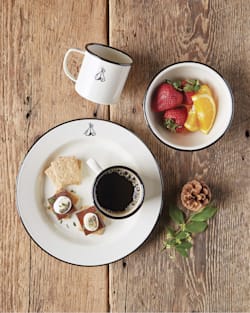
(103, 73)
(130, 175)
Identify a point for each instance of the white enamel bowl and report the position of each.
(222, 95)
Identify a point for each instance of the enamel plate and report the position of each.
(109, 144)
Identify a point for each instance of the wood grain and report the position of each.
(15, 244)
(36, 95)
(56, 27)
(212, 279)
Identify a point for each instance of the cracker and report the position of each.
(65, 171)
(52, 176)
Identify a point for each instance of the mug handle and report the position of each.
(65, 67)
(94, 166)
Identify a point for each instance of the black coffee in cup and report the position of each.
(118, 191)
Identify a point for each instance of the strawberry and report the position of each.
(187, 99)
(183, 83)
(174, 119)
(166, 97)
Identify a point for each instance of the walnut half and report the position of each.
(195, 195)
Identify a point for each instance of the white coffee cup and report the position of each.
(103, 73)
(115, 190)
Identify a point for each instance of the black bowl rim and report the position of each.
(169, 145)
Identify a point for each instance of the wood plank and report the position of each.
(59, 287)
(216, 275)
(14, 82)
(57, 26)
(36, 96)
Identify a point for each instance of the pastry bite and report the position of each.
(91, 221)
(63, 204)
(64, 171)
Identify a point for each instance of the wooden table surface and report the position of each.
(36, 95)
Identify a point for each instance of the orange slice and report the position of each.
(205, 108)
(204, 89)
(192, 123)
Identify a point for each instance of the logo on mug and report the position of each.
(100, 75)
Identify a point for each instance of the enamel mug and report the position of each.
(103, 73)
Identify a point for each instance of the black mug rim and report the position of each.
(88, 45)
(105, 212)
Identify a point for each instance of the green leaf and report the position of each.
(168, 81)
(188, 88)
(196, 227)
(170, 242)
(170, 232)
(177, 85)
(185, 245)
(204, 215)
(194, 82)
(170, 124)
(176, 214)
(52, 200)
(192, 85)
(191, 81)
(182, 251)
(182, 235)
(196, 87)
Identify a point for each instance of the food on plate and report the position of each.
(91, 221)
(64, 171)
(174, 119)
(63, 204)
(185, 104)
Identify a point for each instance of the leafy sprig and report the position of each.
(180, 236)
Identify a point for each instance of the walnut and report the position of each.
(195, 195)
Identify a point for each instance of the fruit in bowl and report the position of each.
(199, 102)
(187, 105)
